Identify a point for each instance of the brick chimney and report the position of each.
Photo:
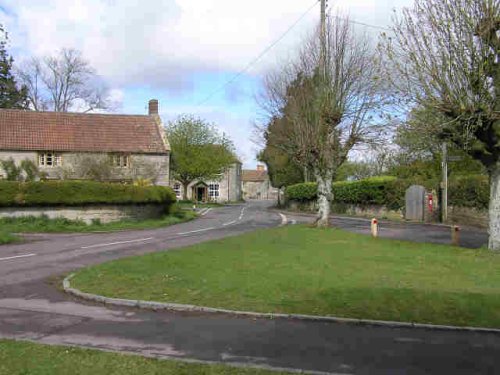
(153, 107)
(260, 167)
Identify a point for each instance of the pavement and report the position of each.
(32, 307)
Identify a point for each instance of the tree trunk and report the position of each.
(325, 197)
(185, 191)
(494, 209)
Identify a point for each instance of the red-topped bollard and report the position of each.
(455, 235)
(374, 227)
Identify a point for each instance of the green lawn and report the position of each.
(18, 358)
(6, 237)
(312, 271)
(43, 224)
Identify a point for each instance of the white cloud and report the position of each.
(160, 43)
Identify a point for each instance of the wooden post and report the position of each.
(374, 227)
(455, 235)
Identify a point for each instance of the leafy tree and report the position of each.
(199, 151)
(283, 170)
(327, 95)
(445, 56)
(11, 95)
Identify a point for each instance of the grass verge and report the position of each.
(312, 271)
(18, 358)
(45, 225)
(6, 237)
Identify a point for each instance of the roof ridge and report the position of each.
(73, 113)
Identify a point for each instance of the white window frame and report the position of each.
(49, 159)
(177, 189)
(213, 191)
(120, 160)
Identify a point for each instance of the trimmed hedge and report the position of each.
(465, 191)
(80, 193)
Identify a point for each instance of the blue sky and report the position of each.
(179, 52)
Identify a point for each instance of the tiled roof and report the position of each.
(250, 175)
(89, 132)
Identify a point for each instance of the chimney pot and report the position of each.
(153, 107)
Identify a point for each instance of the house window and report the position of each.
(49, 159)
(213, 190)
(120, 160)
(177, 190)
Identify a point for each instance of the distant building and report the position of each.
(223, 190)
(256, 184)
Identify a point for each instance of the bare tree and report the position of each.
(62, 83)
(329, 96)
(444, 57)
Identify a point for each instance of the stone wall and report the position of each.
(141, 165)
(106, 214)
(259, 190)
(456, 215)
(468, 216)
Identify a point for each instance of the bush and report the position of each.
(306, 191)
(80, 193)
(469, 191)
(464, 191)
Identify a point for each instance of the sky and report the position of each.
(181, 52)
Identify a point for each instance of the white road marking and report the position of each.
(197, 231)
(242, 212)
(18, 256)
(117, 243)
(230, 223)
(207, 210)
(284, 220)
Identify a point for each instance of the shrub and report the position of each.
(302, 192)
(12, 171)
(469, 191)
(78, 193)
(463, 191)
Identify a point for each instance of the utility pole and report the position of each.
(444, 183)
(322, 37)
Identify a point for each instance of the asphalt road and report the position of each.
(33, 308)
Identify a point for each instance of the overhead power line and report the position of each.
(260, 56)
(271, 46)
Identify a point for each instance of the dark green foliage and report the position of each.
(469, 191)
(31, 170)
(12, 171)
(11, 95)
(302, 192)
(464, 191)
(78, 193)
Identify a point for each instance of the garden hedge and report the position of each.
(80, 193)
(464, 191)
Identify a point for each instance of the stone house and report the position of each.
(256, 184)
(225, 189)
(63, 145)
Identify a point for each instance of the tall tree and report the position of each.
(282, 169)
(199, 151)
(11, 94)
(445, 56)
(328, 95)
(64, 82)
